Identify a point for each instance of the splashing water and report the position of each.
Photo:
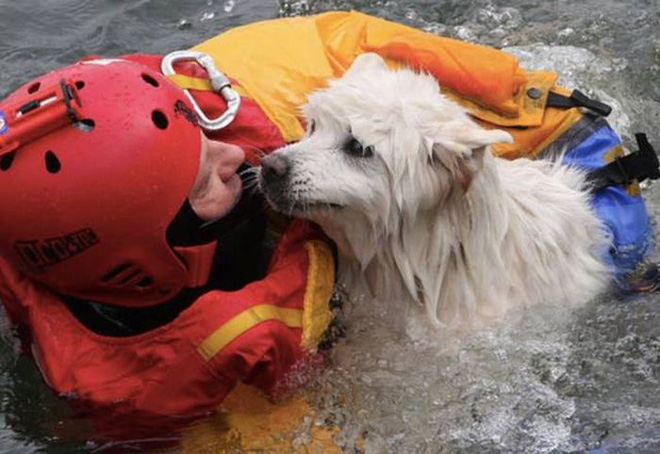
(229, 6)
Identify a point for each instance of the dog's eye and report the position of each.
(354, 148)
(311, 127)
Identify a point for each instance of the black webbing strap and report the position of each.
(578, 99)
(640, 165)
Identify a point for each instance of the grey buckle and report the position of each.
(219, 82)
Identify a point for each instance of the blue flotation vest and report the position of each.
(591, 144)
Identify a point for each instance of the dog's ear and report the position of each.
(366, 62)
(461, 149)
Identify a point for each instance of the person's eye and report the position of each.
(353, 147)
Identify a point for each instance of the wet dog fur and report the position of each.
(403, 180)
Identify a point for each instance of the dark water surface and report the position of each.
(549, 381)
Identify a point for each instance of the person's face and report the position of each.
(217, 187)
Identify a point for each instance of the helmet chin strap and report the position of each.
(198, 261)
(195, 241)
(199, 258)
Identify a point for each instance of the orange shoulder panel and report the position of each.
(278, 62)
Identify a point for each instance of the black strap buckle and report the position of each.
(69, 94)
(640, 165)
(578, 99)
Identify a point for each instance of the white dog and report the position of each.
(403, 181)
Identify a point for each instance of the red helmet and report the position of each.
(96, 160)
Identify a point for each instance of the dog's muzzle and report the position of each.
(275, 168)
(274, 180)
(284, 192)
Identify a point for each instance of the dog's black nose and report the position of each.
(274, 167)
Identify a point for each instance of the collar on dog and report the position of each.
(640, 165)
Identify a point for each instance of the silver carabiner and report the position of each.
(219, 82)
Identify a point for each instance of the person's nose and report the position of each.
(225, 158)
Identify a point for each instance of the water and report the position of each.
(546, 380)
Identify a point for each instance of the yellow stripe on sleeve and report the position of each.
(242, 322)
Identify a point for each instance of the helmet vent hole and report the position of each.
(53, 164)
(116, 271)
(6, 160)
(85, 125)
(145, 283)
(127, 275)
(34, 88)
(159, 119)
(80, 84)
(150, 80)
